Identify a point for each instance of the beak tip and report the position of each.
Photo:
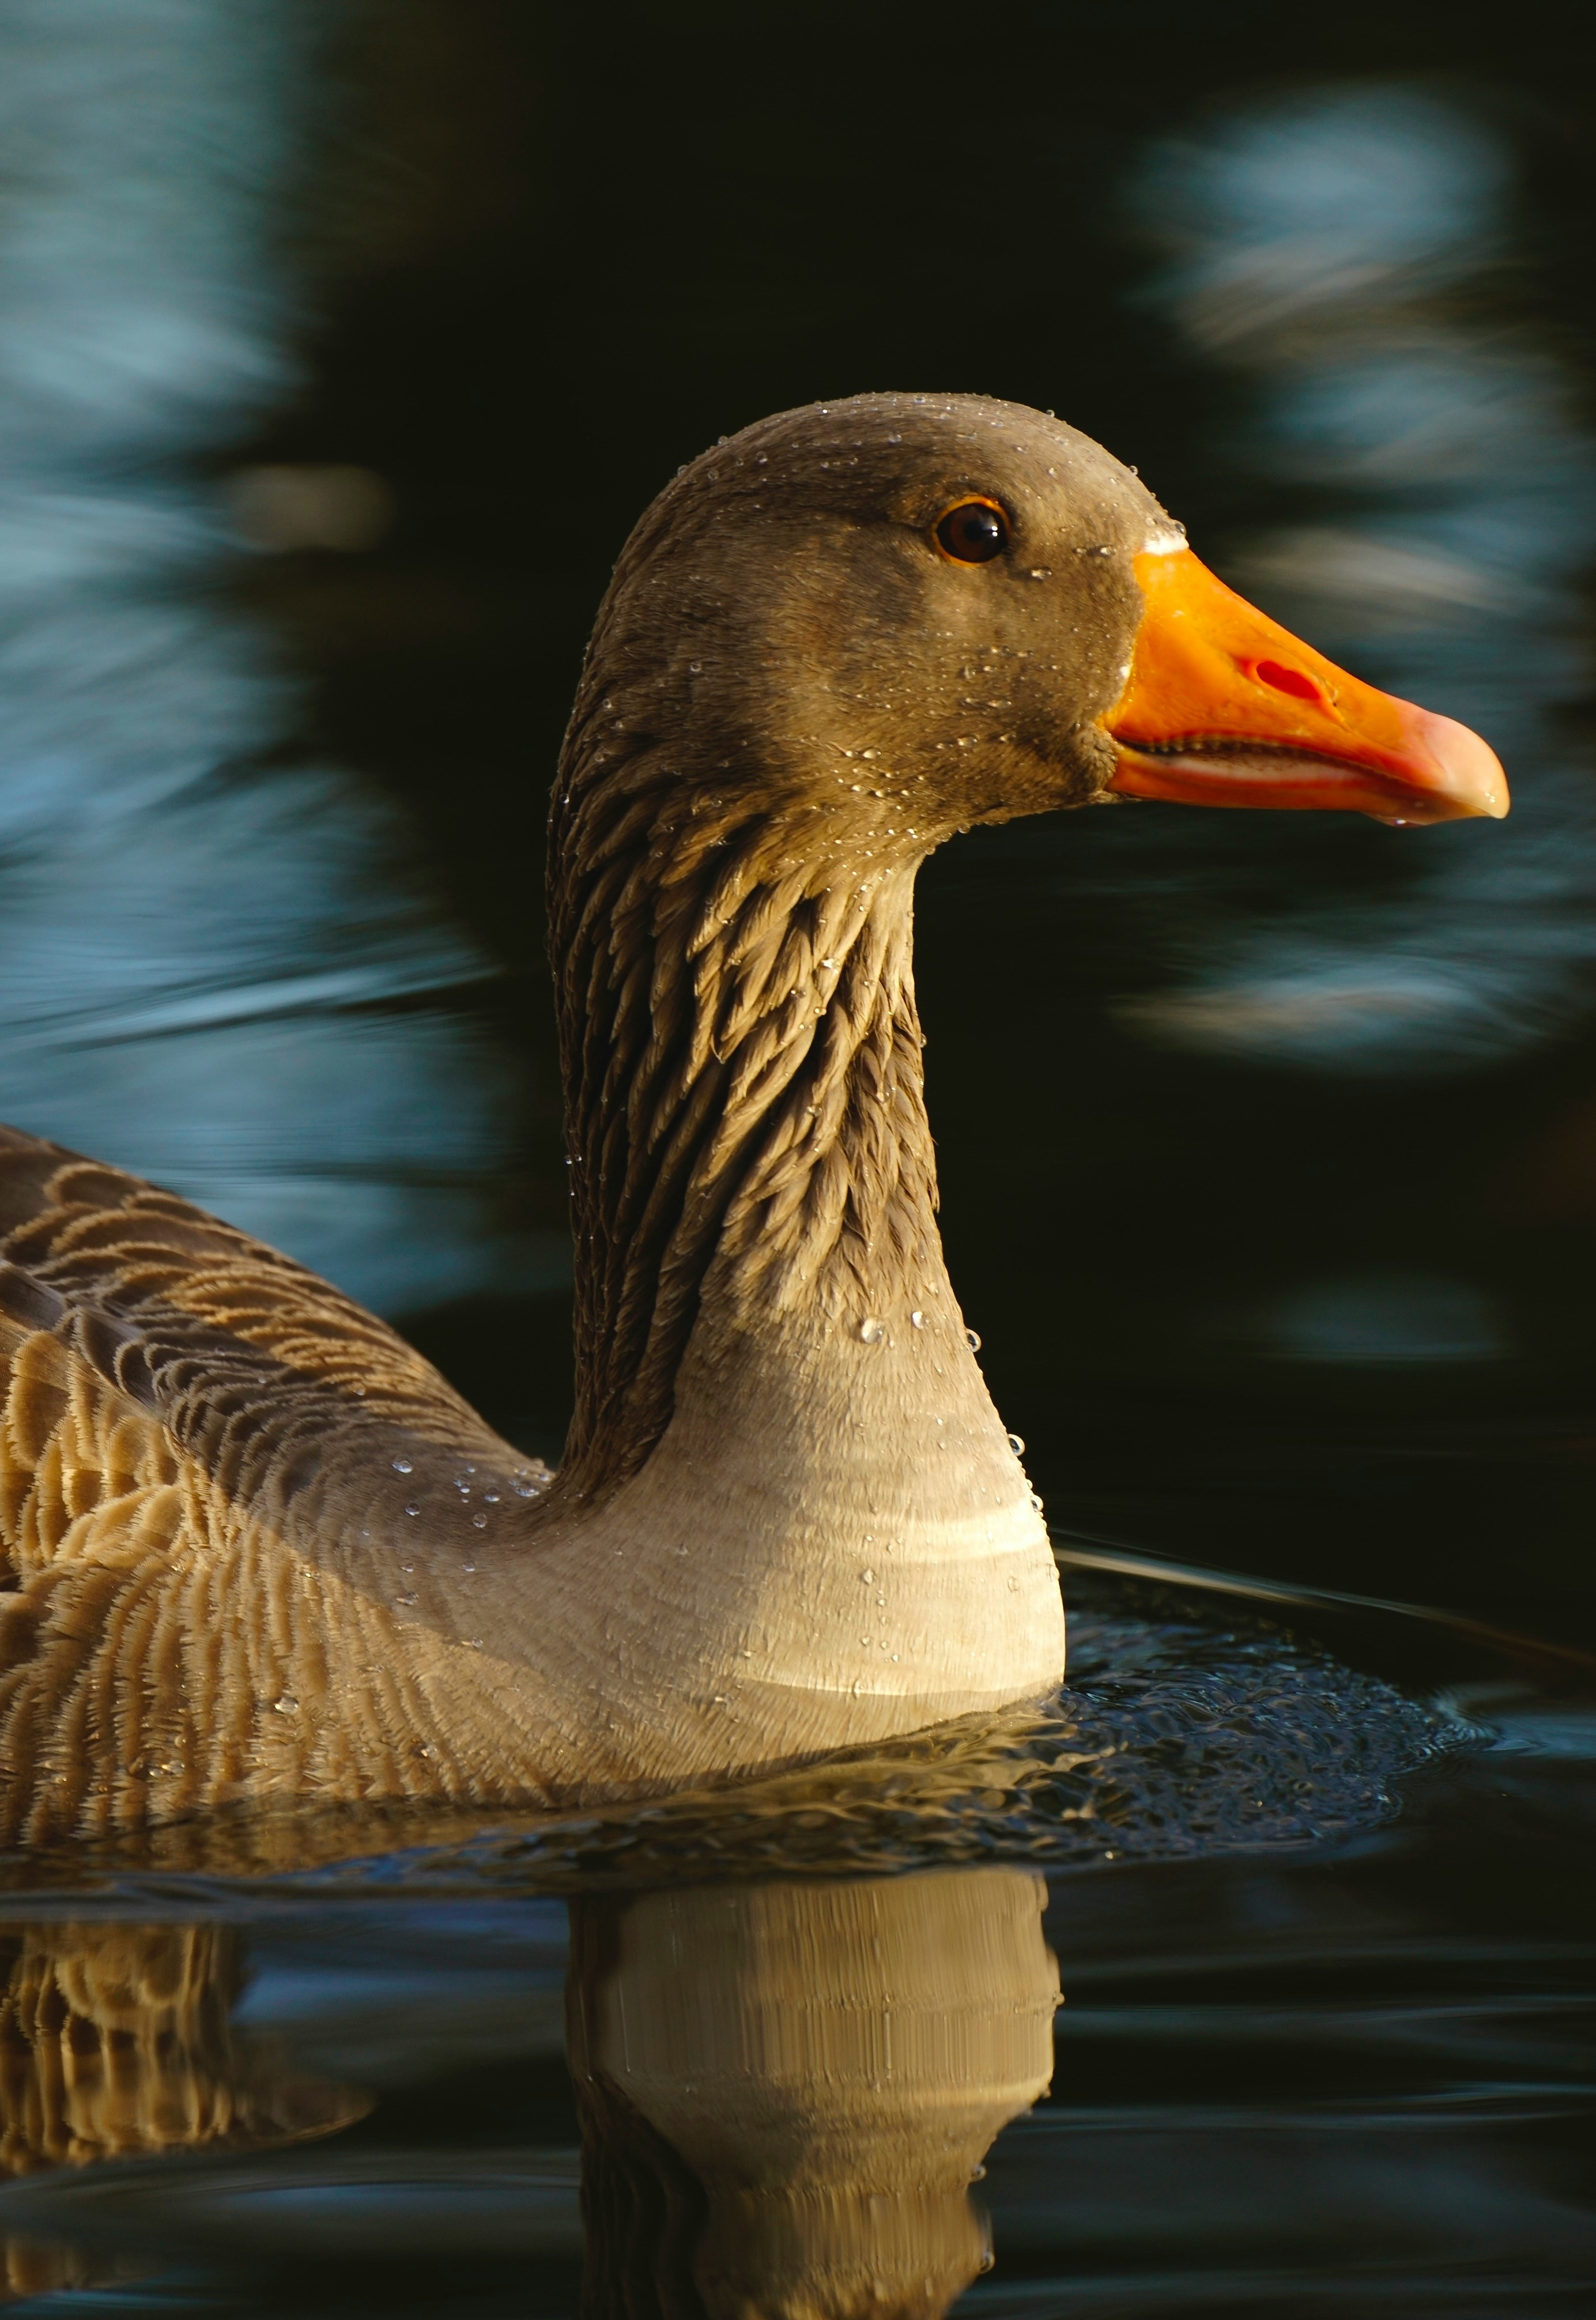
(1473, 779)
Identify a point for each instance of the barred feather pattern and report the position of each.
(742, 1062)
(197, 1441)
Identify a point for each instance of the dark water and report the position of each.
(338, 347)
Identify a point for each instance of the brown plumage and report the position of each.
(188, 1420)
(258, 1553)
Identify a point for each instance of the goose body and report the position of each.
(260, 1550)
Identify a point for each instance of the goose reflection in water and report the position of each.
(116, 2043)
(784, 2090)
(788, 2089)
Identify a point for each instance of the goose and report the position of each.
(260, 1555)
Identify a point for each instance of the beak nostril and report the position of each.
(1294, 681)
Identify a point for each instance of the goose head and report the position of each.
(894, 617)
(832, 641)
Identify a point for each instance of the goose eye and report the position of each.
(974, 531)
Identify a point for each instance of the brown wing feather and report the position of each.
(197, 1440)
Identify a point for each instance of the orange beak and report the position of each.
(1223, 707)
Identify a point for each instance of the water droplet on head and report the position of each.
(972, 1339)
(871, 1331)
(403, 1466)
(524, 1489)
(492, 1497)
(868, 1577)
(479, 1522)
(412, 1509)
(917, 1320)
(1017, 1445)
(286, 1705)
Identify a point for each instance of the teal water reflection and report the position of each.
(227, 968)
